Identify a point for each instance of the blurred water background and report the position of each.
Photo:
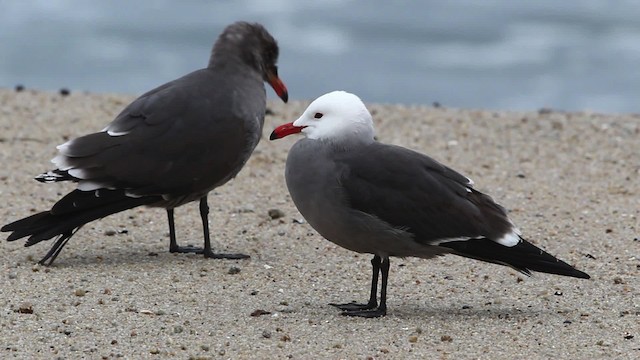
(495, 54)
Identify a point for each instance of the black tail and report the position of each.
(524, 257)
(69, 214)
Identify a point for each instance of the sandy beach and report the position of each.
(571, 182)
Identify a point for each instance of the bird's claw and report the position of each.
(354, 306)
(189, 249)
(366, 313)
(368, 310)
(212, 255)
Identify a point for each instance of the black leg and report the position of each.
(371, 309)
(373, 297)
(204, 214)
(57, 247)
(173, 243)
(380, 310)
(386, 264)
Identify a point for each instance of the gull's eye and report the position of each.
(317, 116)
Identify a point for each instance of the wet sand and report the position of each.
(571, 182)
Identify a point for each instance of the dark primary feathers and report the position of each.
(170, 146)
(65, 215)
(524, 257)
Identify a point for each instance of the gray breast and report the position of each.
(313, 180)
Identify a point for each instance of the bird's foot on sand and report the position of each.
(354, 306)
(212, 255)
(189, 249)
(368, 310)
(366, 313)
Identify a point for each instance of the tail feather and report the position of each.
(55, 176)
(524, 257)
(69, 214)
(25, 227)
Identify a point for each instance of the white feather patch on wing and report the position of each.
(62, 148)
(510, 239)
(116, 133)
(89, 185)
(132, 194)
(78, 173)
(61, 162)
(470, 182)
(442, 241)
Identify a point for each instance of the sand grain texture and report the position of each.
(570, 181)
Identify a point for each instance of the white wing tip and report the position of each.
(78, 173)
(461, 238)
(61, 162)
(63, 147)
(88, 185)
(510, 239)
(114, 133)
(117, 133)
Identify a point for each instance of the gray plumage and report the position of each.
(388, 201)
(170, 146)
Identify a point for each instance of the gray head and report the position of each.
(252, 44)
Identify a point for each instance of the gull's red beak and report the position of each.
(278, 85)
(285, 130)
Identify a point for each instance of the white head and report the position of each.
(334, 116)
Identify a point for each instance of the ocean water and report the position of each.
(495, 54)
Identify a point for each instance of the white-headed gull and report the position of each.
(388, 201)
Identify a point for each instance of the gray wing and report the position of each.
(185, 136)
(414, 192)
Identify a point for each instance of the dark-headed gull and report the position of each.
(169, 147)
(387, 200)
